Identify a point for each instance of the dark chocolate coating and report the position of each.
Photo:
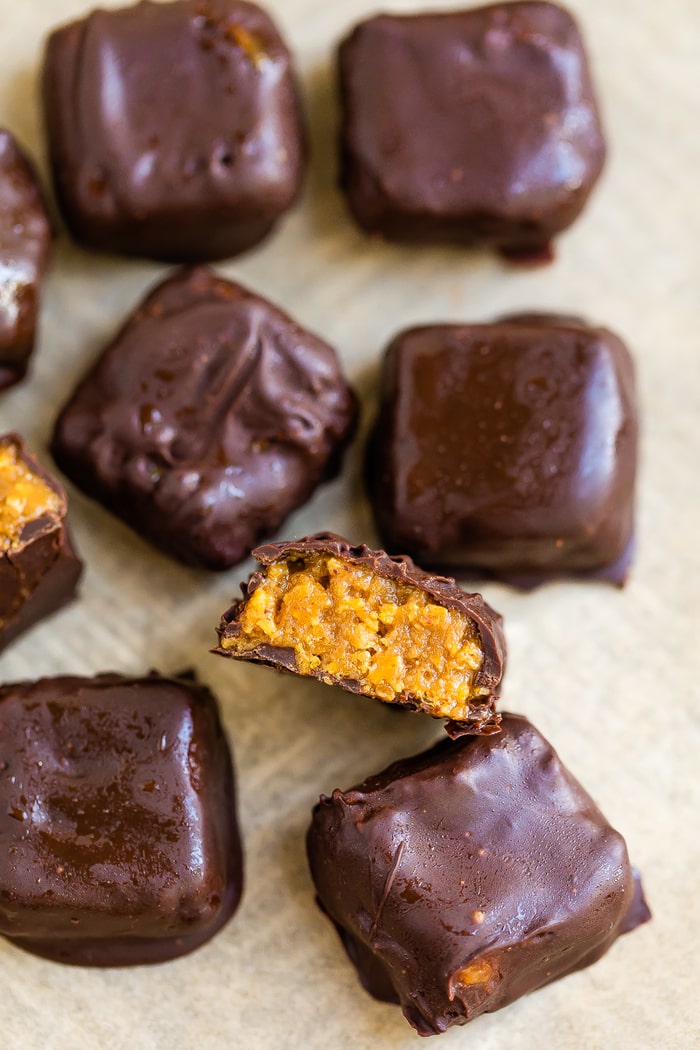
(174, 130)
(487, 622)
(25, 243)
(476, 126)
(208, 419)
(40, 575)
(508, 450)
(118, 836)
(481, 852)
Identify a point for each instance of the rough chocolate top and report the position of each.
(174, 129)
(118, 836)
(25, 242)
(466, 876)
(210, 417)
(487, 622)
(508, 449)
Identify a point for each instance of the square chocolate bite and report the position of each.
(25, 244)
(174, 130)
(477, 126)
(474, 873)
(508, 450)
(39, 570)
(118, 835)
(208, 419)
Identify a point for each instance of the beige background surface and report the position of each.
(612, 678)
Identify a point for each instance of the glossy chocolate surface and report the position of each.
(508, 450)
(476, 126)
(486, 621)
(467, 876)
(174, 129)
(25, 242)
(208, 419)
(117, 819)
(40, 573)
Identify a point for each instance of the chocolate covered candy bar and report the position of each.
(25, 242)
(464, 877)
(118, 835)
(476, 126)
(372, 624)
(174, 129)
(508, 450)
(39, 570)
(208, 419)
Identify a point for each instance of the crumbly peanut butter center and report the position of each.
(24, 496)
(341, 619)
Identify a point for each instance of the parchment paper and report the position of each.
(611, 678)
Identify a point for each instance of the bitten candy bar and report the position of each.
(118, 835)
(208, 419)
(464, 877)
(508, 450)
(476, 126)
(39, 570)
(372, 624)
(25, 243)
(174, 130)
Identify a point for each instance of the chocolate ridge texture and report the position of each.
(118, 834)
(39, 571)
(209, 418)
(479, 711)
(467, 876)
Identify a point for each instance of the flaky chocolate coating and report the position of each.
(487, 622)
(508, 450)
(118, 835)
(40, 574)
(174, 130)
(471, 874)
(25, 243)
(475, 126)
(210, 417)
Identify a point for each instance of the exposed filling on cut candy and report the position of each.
(24, 496)
(343, 620)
